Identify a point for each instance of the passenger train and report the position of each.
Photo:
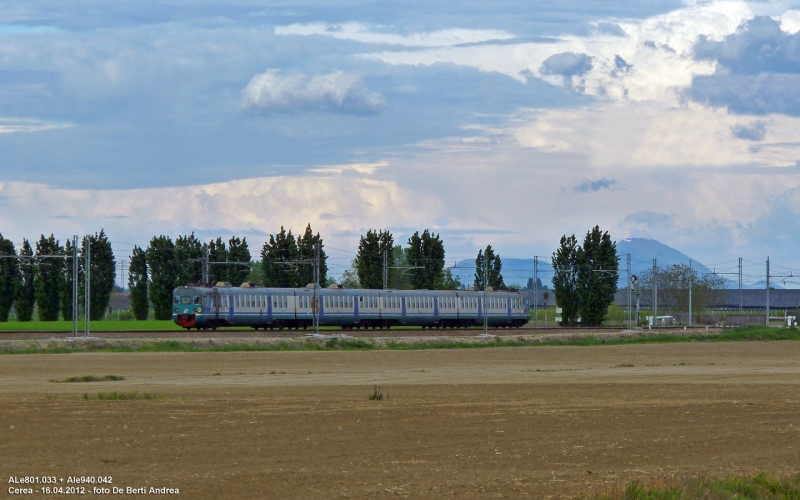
(204, 307)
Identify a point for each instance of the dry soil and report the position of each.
(536, 422)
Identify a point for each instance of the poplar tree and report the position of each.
(102, 273)
(189, 254)
(305, 250)
(565, 278)
(25, 298)
(275, 254)
(50, 277)
(9, 276)
(494, 267)
(66, 282)
(238, 253)
(217, 252)
(598, 274)
(369, 260)
(137, 283)
(426, 254)
(163, 274)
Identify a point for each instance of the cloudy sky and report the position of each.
(501, 122)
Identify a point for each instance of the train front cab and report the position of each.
(187, 307)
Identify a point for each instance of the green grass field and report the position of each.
(113, 325)
(757, 487)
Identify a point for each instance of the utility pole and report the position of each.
(767, 291)
(122, 273)
(740, 285)
(691, 285)
(87, 285)
(316, 284)
(485, 285)
(385, 271)
(630, 285)
(535, 291)
(75, 285)
(655, 293)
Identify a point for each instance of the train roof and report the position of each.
(337, 291)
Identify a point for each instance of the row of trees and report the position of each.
(156, 271)
(42, 279)
(420, 265)
(287, 262)
(585, 277)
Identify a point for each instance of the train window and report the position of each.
(184, 300)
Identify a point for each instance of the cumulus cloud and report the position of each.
(757, 46)
(790, 21)
(758, 69)
(252, 206)
(749, 94)
(654, 60)
(644, 135)
(361, 33)
(567, 64)
(273, 91)
(755, 131)
(586, 185)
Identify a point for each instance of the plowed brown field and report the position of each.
(538, 422)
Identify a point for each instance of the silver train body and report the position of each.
(218, 306)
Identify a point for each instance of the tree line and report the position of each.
(40, 277)
(418, 266)
(155, 271)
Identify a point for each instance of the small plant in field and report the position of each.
(681, 364)
(624, 365)
(376, 394)
(121, 396)
(89, 378)
(217, 374)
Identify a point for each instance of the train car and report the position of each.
(225, 306)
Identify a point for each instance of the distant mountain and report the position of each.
(642, 250)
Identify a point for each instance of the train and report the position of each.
(222, 305)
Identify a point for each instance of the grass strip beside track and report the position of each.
(232, 345)
(756, 487)
(113, 325)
